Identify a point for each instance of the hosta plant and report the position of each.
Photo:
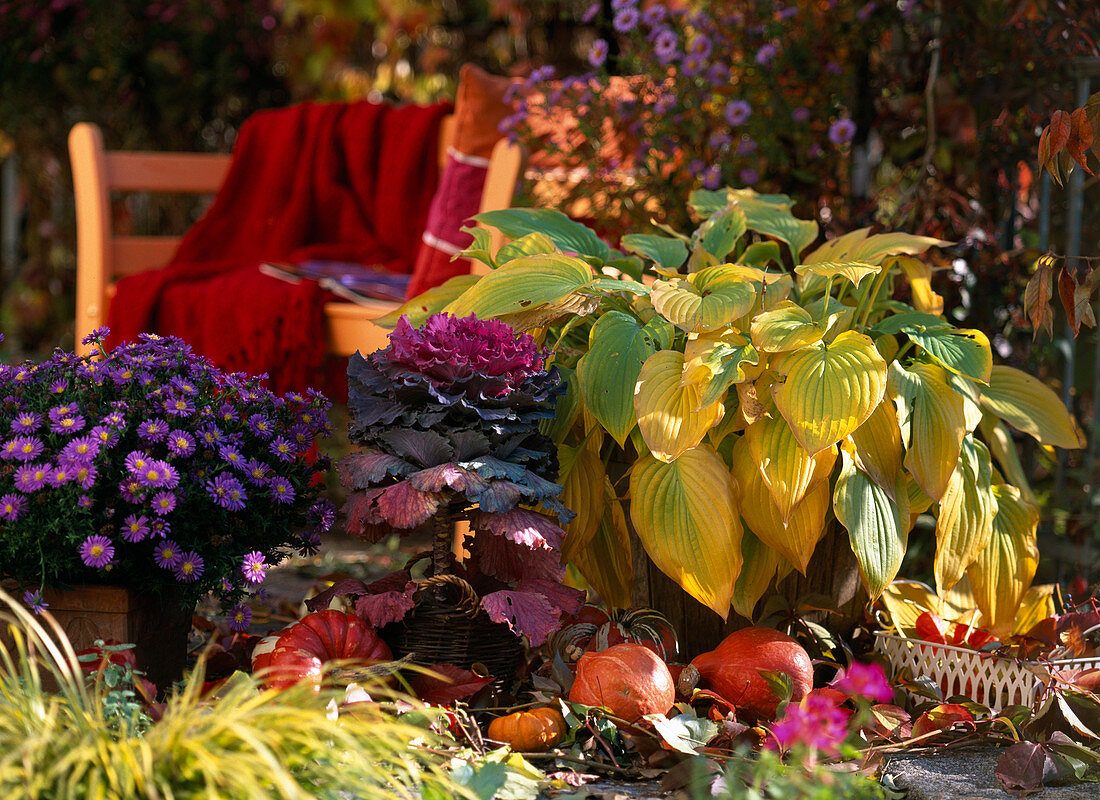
(761, 386)
(446, 418)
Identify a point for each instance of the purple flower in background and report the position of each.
(766, 53)
(866, 11)
(718, 140)
(11, 506)
(240, 617)
(626, 20)
(664, 103)
(718, 74)
(35, 601)
(324, 512)
(135, 528)
(800, 114)
(692, 65)
(598, 54)
(746, 147)
(654, 15)
(712, 178)
(254, 567)
(842, 131)
(665, 47)
(619, 5)
(189, 568)
(700, 46)
(97, 551)
(833, 68)
(737, 112)
(590, 13)
(749, 176)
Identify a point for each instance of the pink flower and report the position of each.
(864, 680)
(816, 723)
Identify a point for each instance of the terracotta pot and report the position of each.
(156, 625)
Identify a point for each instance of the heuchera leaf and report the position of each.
(527, 613)
(382, 609)
(1037, 300)
(448, 683)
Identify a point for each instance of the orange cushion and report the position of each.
(479, 109)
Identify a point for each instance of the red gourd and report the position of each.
(628, 679)
(323, 636)
(732, 669)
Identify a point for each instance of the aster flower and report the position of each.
(31, 477)
(282, 449)
(163, 503)
(256, 472)
(73, 424)
(181, 443)
(240, 617)
(11, 506)
(254, 567)
(135, 528)
(749, 176)
(189, 568)
(23, 448)
(260, 426)
(625, 20)
(182, 385)
(800, 114)
(83, 473)
(654, 15)
(712, 177)
(227, 492)
(598, 54)
(178, 405)
(58, 476)
(81, 447)
(26, 422)
(137, 462)
(153, 430)
(666, 46)
(35, 601)
(842, 131)
(324, 513)
(737, 112)
(97, 551)
(154, 475)
(766, 54)
(282, 491)
(311, 544)
(160, 528)
(85, 501)
(106, 436)
(97, 336)
(619, 5)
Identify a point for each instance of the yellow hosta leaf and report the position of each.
(786, 327)
(523, 283)
(877, 525)
(605, 561)
(875, 249)
(854, 271)
(758, 569)
(786, 468)
(669, 415)
(1036, 605)
(1026, 403)
(796, 539)
(936, 423)
(878, 444)
(1004, 449)
(957, 604)
(685, 517)
(907, 600)
(830, 389)
(836, 249)
(920, 285)
(966, 515)
(971, 394)
(715, 361)
(704, 301)
(919, 502)
(428, 302)
(1003, 571)
(580, 469)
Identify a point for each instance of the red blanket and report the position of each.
(350, 182)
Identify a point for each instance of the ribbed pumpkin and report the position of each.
(533, 731)
(323, 636)
(732, 669)
(628, 679)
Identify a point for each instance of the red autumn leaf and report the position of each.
(1092, 111)
(1067, 289)
(1061, 125)
(890, 720)
(1020, 769)
(404, 506)
(979, 638)
(526, 613)
(941, 718)
(931, 628)
(386, 607)
(1080, 138)
(1082, 299)
(448, 683)
(1037, 299)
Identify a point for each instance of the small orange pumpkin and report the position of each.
(628, 679)
(534, 731)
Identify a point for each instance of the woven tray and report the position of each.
(992, 681)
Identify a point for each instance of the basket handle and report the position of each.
(467, 603)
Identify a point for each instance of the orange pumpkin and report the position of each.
(534, 731)
(328, 635)
(733, 669)
(628, 679)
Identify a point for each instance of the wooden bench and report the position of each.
(104, 256)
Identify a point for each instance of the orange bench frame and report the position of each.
(104, 256)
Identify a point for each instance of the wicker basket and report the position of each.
(449, 626)
(994, 682)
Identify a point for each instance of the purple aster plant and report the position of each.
(447, 418)
(113, 461)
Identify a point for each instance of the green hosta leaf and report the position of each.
(854, 271)
(684, 515)
(428, 302)
(759, 254)
(788, 326)
(794, 538)
(567, 235)
(720, 233)
(830, 390)
(757, 571)
(705, 202)
(917, 320)
(779, 222)
(932, 423)
(715, 361)
(529, 245)
(618, 346)
(566, 407)
(1003, 570)
(1024, 402)
(966, 515)
(708, 300)
(611, 285)
(878, 526)
(665, 252)
(787, 469)
(962, 351)
(670, 417)
(522, 284)
(480, 249)
(605, 560)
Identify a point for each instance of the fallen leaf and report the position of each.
(1020, 769)
(941, 718)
